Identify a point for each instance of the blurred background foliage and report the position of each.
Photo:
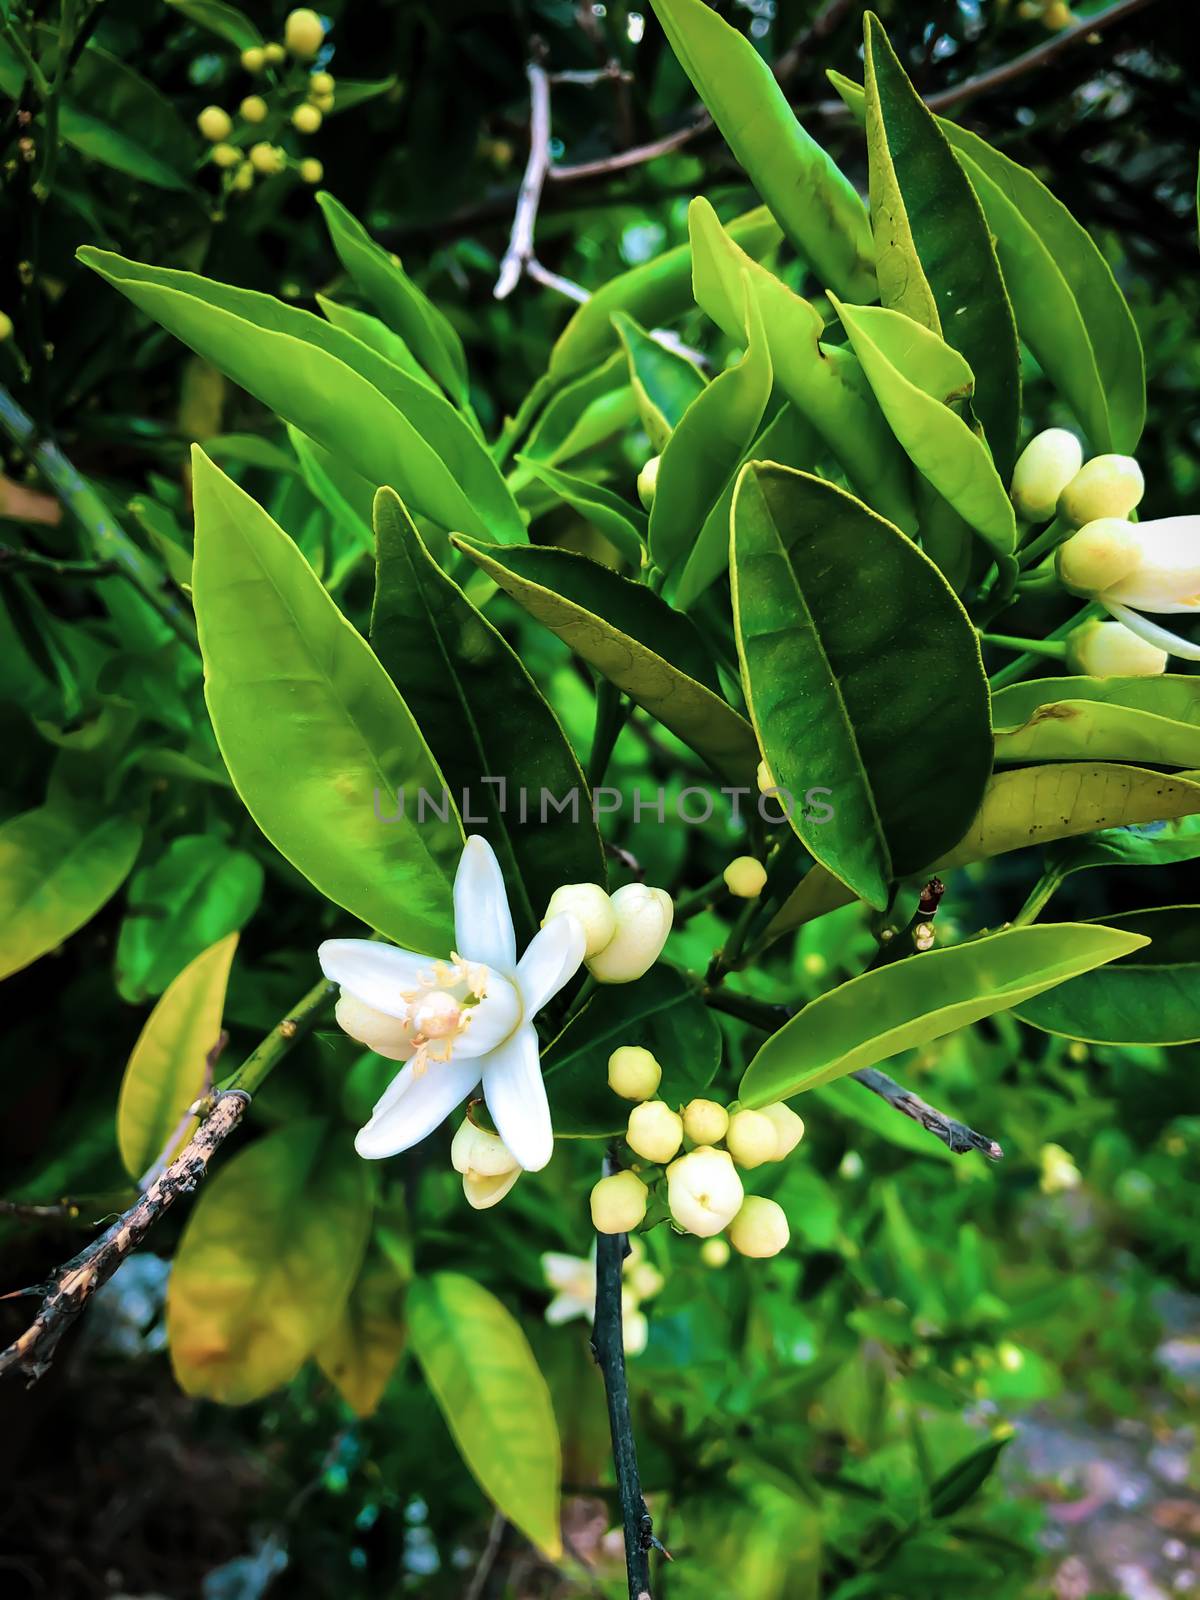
(818, 1426)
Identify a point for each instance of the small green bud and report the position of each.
(648, 481)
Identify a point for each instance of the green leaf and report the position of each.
(491, 1392)
(1156, 720)
(353, 92)
(957, 290)
(58, 866)
(825, 383)
(913, 1001)
(162, 529)
(586, 411)
(654, 293)
(485, 716)
(863, 677)
(702, 456)
(812, 200)
(266, 1262)
(197, 891)
(226, 21)
(388, 426)
(1152, 996)
(372, 331)
(623, 525)
(634, 639)
(402, 305)
(959, 1485)
(360, 1352)
(345, 495)
(167, 1070)
(662, 1013)
(918, 380)
(664, 382)
(317, 740)
(1152, 844)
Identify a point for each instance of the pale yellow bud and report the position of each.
(274, 53)
(226, 155)
(643, 919)
(254, 59)
(1109, 650)
(323, 102)
(303, 33)
(386, 1035)
(1057, 16)
(489, 1168)
(705, 1122)
(591, 907)
(243, 178)
(253, 108)
(321, 83)
(1044, 469)
(764, 779)
(6, 326)
(1098, 556)
(655, 1132)
(751, 1138)
(266, 158)
(311, 170)
(704, 1191)
(306, 118)
(644, 1280)
(760, 1228)
(1105, 486)
(633, 1073)
(215, 124)
(714, 1252)
(1059, 1171)
(647, 481)
(635, 1330)
(745, 877)
(619, 1203)
(789, 1128)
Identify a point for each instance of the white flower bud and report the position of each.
(386, 1035)
(745, 877)
(644, 1280)
(751, 1139)
(789, 1128)
(714, 1252)
(591, 907)
(704, 1191)
(643, 922)
(760, 1228)
(619, 1203)
(303, 33)
(705, 1122)
(648, 481)
(633, 1073)
(1110, 650)
(1098, 556)
(215, 124)
(1150, 566)
(655, 1132)
(1044, 469)
(1106, 486)
(764, 779)
(489, 1168)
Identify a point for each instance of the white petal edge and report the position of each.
(483, 925)
(565, 1307)
(564, 1272)
(516, 1098)
(552, 958)
(413, 1106)
(377, 974)
(1161, 638)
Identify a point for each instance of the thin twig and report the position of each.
(491, 1550)
(520, 244)
(555, 280)
(62, 1211)
(608, 1347)
(957, 1136)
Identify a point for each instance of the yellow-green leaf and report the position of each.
(360, 1352)
(1156, 720)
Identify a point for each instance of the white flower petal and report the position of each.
(568, 1273)
(491, 1021)
(552, 958)
(516, 1098)
(1162, 638)
(483, 925)
(565, 1307)
(377, 974)
(413, 1105)
(484, 1191)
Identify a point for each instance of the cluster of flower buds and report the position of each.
(625, 931)
(304, 34)
(700, 1150)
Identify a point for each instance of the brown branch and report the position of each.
(63, 1211)
(68, 1293)
(198, 1106)
(957, 1136)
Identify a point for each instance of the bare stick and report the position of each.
(554, 280)
(520, 244)
(955, 1135)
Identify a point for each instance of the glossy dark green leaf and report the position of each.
(813, 201)
(353, 92)
(1151, 720)
(316, 737)
(664, 382)
(1151, 996)
(491, 1392)
(702, 456)
(888, 720)
(914, 167)
(1148, 844)
(825, 383)
(484, 717)
(192, 895)
(266, 1262)
(623, 525)
(661, 1012)
(632, 637)
(959, 1484)
(226, 21)
(911, 1002)
(401, 304)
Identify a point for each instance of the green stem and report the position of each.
(701, 899)
(12, 560)
(761, 1013)
(1017, 668)
(1046, 541)
(300, 1020)
(516, 425)
(1047, 885)
(729, 954)
(1035, 647)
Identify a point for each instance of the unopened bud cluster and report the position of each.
(625, 930)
